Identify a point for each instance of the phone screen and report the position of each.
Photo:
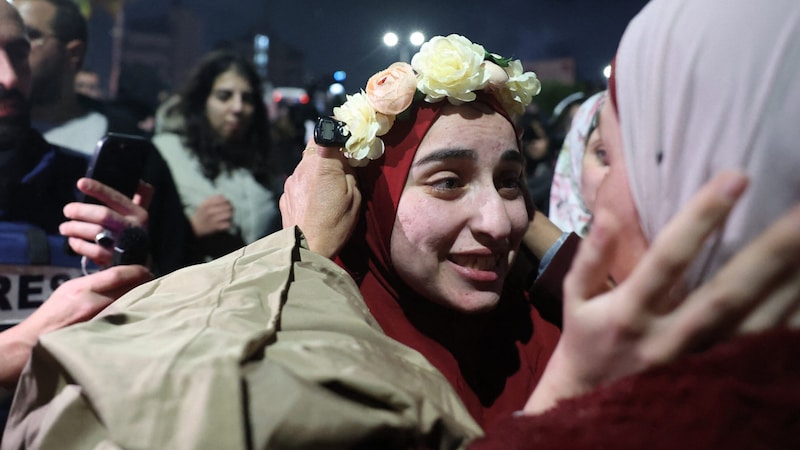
(119, 162)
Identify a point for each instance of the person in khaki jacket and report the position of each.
(424, 341)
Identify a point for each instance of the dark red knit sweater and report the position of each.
(744, 394)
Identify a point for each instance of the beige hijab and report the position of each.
(707, 85)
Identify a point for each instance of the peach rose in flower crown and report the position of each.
(392, 90)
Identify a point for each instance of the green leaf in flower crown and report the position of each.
(497, 59)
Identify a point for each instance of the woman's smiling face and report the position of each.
(462, 215)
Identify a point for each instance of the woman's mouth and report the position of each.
(478, 268)
(488, 262)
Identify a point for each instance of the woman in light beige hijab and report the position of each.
(706, 86)
(703, 107)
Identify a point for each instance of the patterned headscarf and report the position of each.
(567, 208)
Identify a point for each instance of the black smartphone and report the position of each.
(118, 162)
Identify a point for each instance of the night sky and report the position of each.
(349, 37)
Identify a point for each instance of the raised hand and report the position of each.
(646, 320)
(322, 199)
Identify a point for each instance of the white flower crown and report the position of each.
(449, 67)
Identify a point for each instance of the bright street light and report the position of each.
(607, 71)
(390, 39)
(415, 39)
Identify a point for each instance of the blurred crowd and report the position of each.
(224, 143)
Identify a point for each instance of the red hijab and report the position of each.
(492, 360)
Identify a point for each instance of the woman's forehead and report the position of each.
(231, 78)
(470, 129)
(469, 121)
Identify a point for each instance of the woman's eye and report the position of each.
(446, 184)
(223, 95)
(602, 156)
(510, 186)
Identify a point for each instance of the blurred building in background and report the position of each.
(562, 70)
(170, 45)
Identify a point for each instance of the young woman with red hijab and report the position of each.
(444, 214)
(443, 221)
(599, 346)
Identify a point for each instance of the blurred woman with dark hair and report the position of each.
(215, 138)
(540, 160)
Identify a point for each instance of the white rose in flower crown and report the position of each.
(364, 125)
(519, 89)
(450, 67)
(497, 75)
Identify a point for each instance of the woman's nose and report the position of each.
(237, 103)
(491, 216)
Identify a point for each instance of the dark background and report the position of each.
(347, 35)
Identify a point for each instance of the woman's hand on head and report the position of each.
(322, 199)
(118, 212)
(609, 334)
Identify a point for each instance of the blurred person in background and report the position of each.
(581, 166)
(539, 160)
(41, 287)
(59, 39)
(141, 90)
(560, 120)
(215, 138)
(87, 82)
(58, 43)
(289, 131)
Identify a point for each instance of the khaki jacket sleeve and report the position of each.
(268, 347)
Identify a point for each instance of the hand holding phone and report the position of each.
(118, 162)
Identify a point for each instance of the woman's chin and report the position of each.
(472, 302)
